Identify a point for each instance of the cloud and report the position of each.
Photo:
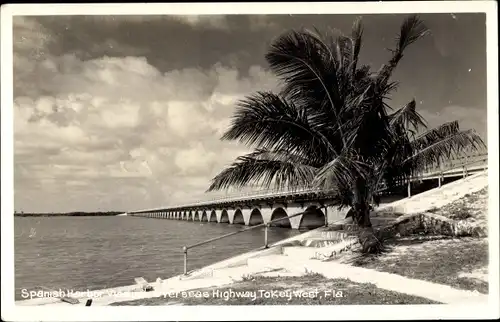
(105, 129)
(30, 39)
(213, 21)
(107, 115)
(118, 129)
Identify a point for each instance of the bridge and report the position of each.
(281, 206)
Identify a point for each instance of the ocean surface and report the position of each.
(88, 253)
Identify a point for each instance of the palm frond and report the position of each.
(307, 65)
(366, 126)
(340, 173)
(280, 155)
(342, 197)
(357, 35)
(344, 51)
(444, 148)
(436, 134)
(395, 170)
(266, 168)
(298, 58)
(408, 117)
(269, 121)
(411, 30)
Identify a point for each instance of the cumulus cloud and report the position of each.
(100, 126)
(116, 132)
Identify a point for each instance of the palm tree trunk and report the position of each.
(361, 217)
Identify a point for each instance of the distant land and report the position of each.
(73, 214)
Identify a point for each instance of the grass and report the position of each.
(471, 206)
(310, 289)
(434, 259)
(439, 259)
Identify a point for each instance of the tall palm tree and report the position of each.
(330, 126)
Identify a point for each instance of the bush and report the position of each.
(461, 214)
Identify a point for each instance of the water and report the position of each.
(80, 253)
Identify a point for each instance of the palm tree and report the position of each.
(330, 126)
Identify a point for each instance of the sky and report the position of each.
(126, 112)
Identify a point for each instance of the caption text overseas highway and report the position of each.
(226, 294)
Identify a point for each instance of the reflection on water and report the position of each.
(83, 253)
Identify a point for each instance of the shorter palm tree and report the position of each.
(330, 126)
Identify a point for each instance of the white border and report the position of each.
(12, 313)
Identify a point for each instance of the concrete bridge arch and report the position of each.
(280, 214)
(313, 217)
(255, 217)
(237, 216)
(223, 218)
(212, 217)
(309, 214)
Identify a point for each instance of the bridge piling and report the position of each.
(185, 259)
(265, 236)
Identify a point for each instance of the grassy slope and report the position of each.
(438, 259)
(472, 208)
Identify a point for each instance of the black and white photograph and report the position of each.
(222, 161)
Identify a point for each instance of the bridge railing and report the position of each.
(457, 163)
(266, 193)
(446, 166)
(211, 240)
(253, 194)
(463, 162)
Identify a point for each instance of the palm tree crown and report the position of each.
(330, 125)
